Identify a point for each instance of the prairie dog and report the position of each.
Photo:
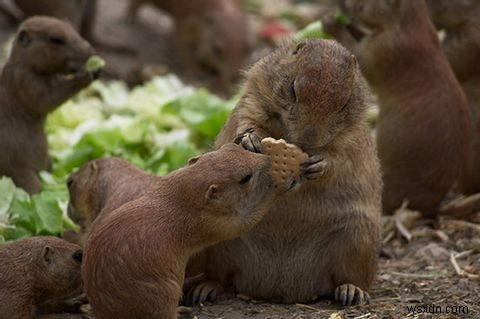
(424, 129)
(462, 47)
(321, 240)
(45, 68)
(101, 186)
(35, 271)
(147, 242)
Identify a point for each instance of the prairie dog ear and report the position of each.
(212, 194)
(194, 159)
(24, 38)
(92, 169)
(83, 174)
(93, 166)
(47, 255)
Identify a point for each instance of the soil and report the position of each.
(439, 265)
(419, 272)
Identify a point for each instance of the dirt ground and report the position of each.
(422, 263)
(420, 272)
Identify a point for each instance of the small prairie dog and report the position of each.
(45, 68)
(147, 242)
(101, 186)
(37, 271)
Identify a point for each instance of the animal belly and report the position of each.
(274, 268)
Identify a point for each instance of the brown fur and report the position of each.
(424, 128)
(103, 185)
(326, 234)
(460, 19)
(145, 244)
(31, 86)
(37, 271)
(214, 31)
(80, 13)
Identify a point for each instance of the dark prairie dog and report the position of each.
(37, 271)
(321, 240)
(101, 186)
(424, 127)
(145, 244)
(460, 19)
(45, 68)
(211, 35)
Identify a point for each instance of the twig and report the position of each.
(459, 270)
(441, 235)
(464, 254)
(379, 300)
(461, 207)
(307, 307)
(420, 276)
(367, 315)
(388, 237)
(465, 224)
(403, 230)
(455, 265)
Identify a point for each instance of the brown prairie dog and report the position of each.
(147, 242)
(45, 68)
(460, 19)
(321, 240)
(37, 271)
(424, 128)
(101, 186)
(211, 35)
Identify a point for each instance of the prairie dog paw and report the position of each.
(314, 167)
(349, 295)
(205, 291)
(250, 141)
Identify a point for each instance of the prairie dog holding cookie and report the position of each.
(321, 240)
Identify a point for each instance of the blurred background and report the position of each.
(140, 46)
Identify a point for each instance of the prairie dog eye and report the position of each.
(246, 179)
(57, 40)
(78, 256)
(298, 48)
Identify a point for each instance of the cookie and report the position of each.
(286, 159)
